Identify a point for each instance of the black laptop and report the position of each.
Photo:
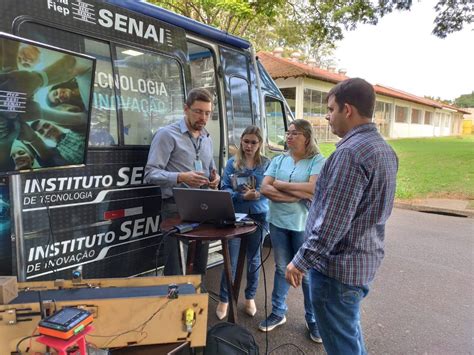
(206, 206)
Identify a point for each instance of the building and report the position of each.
(397, 114)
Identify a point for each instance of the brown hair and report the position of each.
(239, 162)
(198, 94)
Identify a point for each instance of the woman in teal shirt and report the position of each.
(289, 185)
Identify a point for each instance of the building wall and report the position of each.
(443, 122)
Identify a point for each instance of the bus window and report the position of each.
(203, 75)
(151, 93)
(241, 110)
(275, 121)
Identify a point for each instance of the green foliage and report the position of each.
(439, 99)
(432, 167)
(312, 26)
(466, 100)
(452, 16)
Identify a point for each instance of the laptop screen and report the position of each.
(205, 206)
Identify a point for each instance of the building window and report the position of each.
(382, 117)
(428, 117)
(447, 118)
(314, 111)
(313, 106)
(290, 96)
(401, 114)
(415, 116)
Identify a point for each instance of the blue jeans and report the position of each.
(285, 245)
(254, 241)
(337, 308)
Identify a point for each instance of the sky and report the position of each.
(400, 52)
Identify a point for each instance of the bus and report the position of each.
(101, 217)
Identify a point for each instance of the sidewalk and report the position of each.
(463, 208)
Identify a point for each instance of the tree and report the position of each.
(439, 99)
(466, 100)
(302, 24)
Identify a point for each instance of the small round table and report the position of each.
(208, 233)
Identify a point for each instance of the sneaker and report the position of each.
(271, 322)
(314, 332)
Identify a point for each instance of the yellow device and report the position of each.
(189, 318)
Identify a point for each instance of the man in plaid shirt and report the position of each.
(346, 224)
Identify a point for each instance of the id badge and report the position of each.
(198, 165)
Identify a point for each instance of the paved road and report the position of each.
(421, 302)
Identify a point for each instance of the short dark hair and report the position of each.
(356, 92)
(198, 94)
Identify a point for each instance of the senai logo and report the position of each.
(130, 25)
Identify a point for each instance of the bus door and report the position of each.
(241, 101)
(202, 65)
(276, 115)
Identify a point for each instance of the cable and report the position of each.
(22, 340)
(287, 344)
(137, 329)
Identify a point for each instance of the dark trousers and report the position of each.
(171, 246)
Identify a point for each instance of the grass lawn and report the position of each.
(432, 167)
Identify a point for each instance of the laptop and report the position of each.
(206, 206)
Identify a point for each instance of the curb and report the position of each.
(422, 208)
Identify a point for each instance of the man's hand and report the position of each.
(214, 179)
(293, 275)
(193, 178)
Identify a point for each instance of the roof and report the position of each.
(282, 68)
(279, 67)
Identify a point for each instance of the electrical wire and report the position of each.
(138, 329)
(288, 344)
(22, 340)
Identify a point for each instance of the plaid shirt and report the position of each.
(353, 200)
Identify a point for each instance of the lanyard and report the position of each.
(197, 147)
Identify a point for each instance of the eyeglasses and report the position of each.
(200, 112)
(246, 141)
(293, 133)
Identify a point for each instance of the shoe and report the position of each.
(271, 322)
(221, 310)
(250, 307)
(314, 332)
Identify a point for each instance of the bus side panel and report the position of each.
(95, 18)
(101, 217)
(5, 229)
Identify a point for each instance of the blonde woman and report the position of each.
(289, 185)
(243, 177)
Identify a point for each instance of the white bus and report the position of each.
(101, 217)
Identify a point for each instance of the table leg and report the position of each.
(230, 285)
(191, 256)
(240, 268)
